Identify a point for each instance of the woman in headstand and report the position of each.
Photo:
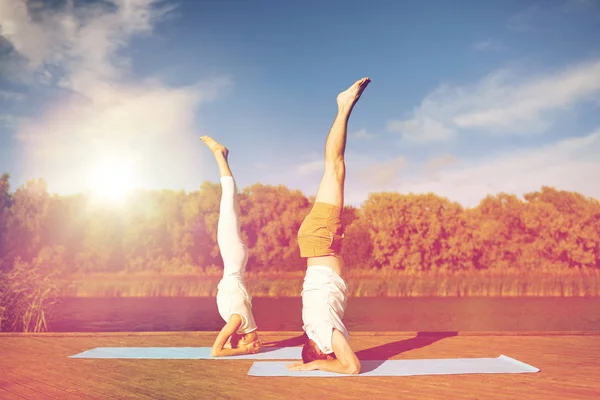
(239, 335)
(320, 238)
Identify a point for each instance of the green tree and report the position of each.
(5, 205)
(27, 221)
(197, 232)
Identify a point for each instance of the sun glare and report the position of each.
(112, 180)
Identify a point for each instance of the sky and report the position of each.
(465, 101)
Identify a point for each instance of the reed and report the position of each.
(28, 294)
(478, 284)
(387, 283)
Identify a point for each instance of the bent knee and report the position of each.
(335, 169)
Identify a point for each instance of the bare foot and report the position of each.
(350, 96)
(215, 146)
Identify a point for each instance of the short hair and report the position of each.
(234, 340)
(311, 352)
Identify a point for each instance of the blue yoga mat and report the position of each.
(188, 353)
(444, 366)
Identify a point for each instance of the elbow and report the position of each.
(353, 368)
(215, 353)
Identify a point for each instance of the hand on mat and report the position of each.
(253, 347)
(302, 367)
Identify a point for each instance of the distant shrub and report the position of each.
(28, 293)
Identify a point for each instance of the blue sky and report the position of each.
(488, 97)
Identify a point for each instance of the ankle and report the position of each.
(344, 110)
(220, 156)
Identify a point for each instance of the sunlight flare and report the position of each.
(112, 180)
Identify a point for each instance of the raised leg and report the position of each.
(331, 188)
(233, 250)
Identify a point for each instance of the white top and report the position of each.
(324, 295)
(233, 298)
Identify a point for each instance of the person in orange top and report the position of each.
(320, 238)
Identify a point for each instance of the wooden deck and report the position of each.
(35, 366)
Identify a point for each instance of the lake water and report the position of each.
(362, 314)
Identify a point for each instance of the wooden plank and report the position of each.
(41, 385)
(20, 390)
(294, 333)
(570, 366)
(6, 395)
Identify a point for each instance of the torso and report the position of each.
(324, 299)
(333, 262)
(233, 298)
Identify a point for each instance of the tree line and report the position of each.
(173, 231)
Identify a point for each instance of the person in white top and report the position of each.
(239, 335)
(319, 239)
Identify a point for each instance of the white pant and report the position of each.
(233, 250)
(232, 296)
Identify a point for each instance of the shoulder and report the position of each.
(235, 319)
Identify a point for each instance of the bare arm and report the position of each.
(346, 361)
(249, 348)
(218, 348)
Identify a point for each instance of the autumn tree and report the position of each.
(270, 219)
(414, 232)
(497, 232)
(167, 231)
(357, 247)
(566, 226)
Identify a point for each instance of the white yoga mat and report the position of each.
(188, 353)
(443, 366)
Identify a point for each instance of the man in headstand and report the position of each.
(239, 335)
(319, 238)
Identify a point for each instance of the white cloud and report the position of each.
(436, 163)
(8, 98)
(8, 120)
(76, 46)
(310, 167)
(362, 134)
(368, 174)
(109, 114)
(524, 103)
(421, 129)
(7, 95)
(364, 174)
(151, 125)
(495, 105)
(488, 45)
(570, 164)
(552, 16)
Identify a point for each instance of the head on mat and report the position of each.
(234, 303)
(237, 340)
(311, 352)
(320, 237)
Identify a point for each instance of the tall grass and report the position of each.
(27, 295)
(360, 284)
(482, 283)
